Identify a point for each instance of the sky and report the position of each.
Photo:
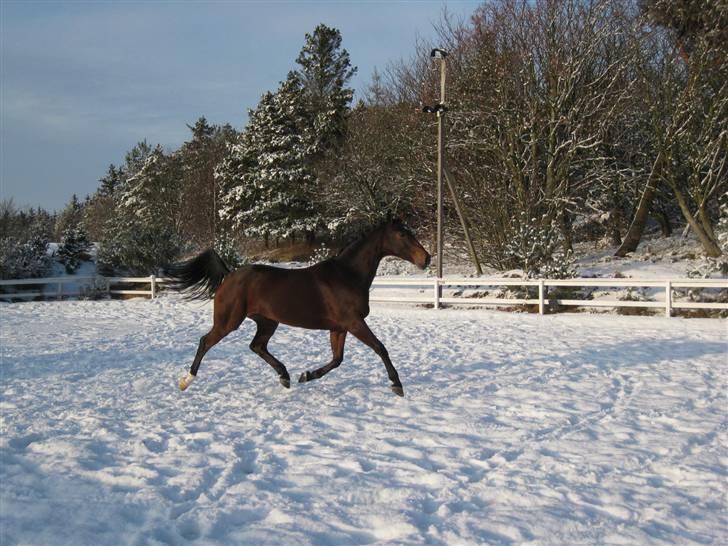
(82, 82)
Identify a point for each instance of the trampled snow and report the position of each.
(515, 429)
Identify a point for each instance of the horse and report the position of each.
(330, 295)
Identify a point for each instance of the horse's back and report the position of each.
(297, 297)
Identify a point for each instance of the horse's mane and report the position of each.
(358, 239)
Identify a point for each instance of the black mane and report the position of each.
(356, 240)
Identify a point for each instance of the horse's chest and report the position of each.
(353, 302)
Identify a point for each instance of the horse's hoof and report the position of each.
(398, 390)
(285, 381)
(305, 376)
(186, 381)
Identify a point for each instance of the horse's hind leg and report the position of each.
(337, 348)
(206, 342)
(259, 345)
(224, 323)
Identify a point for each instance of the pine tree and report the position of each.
(27, 257)
(325, 72)
(74, 244)
(536, 248)
(71, 216)
(135, 160)
(111, 181)
(143, 234)
(266, 185)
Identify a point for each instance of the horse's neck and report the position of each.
(364, 257)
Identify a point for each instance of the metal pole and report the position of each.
(440, 196)
(441, 54)
(440, 110)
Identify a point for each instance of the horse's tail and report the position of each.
(199, 276)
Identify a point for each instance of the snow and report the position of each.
(514, 429)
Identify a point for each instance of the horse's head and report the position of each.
(399, 241)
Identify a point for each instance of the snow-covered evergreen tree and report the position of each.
(111, 181)
(536, 249)
(268, 184)
(143, 234)
(265, 182)
(325, 70)
(227, 249)
(24, 258)
(71, 216)
(74, 244)
(135, 160)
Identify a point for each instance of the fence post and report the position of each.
(60, 290)
(668, 299)
(540, 297)
(153, 280)
(437, 293)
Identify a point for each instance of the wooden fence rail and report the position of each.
(427, 290)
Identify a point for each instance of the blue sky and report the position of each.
(81, 82)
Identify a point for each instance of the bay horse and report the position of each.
(330, 295)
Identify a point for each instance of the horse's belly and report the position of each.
(291, 305)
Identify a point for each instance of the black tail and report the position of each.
(199, 276)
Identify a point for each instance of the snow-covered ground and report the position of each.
(515, 429)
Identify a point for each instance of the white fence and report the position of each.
(428, 291)
(56, 287)
(434, 292)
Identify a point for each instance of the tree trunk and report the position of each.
(613, 223)
(664, 220)
(566, 232)
(710, 246)
(705, 222)
(637, 227)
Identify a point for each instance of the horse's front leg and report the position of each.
(361, 331)
(337, 349)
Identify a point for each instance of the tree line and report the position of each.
(567, 120)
